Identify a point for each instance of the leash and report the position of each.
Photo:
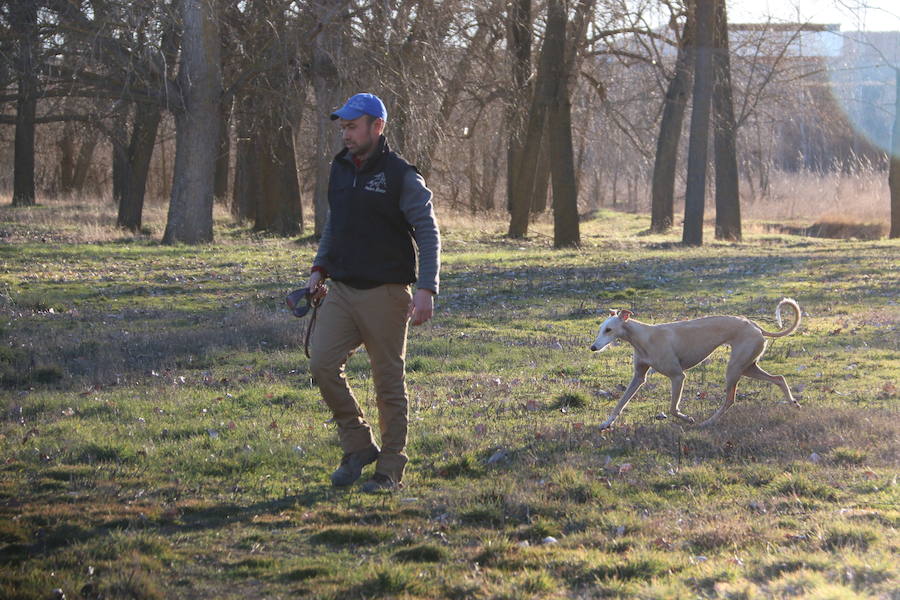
(311, 325)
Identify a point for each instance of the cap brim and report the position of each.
(348, 114)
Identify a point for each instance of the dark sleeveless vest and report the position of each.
(371, 241)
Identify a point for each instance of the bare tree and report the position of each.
(662, 211)
(328, 55)
(197, 125)
(124, 54)
(728, 201)
(23, 21)
(518, 43)
(699, 134)
(268, 90)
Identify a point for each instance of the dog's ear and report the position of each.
(613, 312)
(625, 314)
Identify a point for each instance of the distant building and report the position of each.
(795, 40)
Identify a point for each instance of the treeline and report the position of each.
(564, 104)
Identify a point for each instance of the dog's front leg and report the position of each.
(640, 376)
(677, 388)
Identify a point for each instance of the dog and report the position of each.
(673, 348)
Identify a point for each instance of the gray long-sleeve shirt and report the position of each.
(417, 208)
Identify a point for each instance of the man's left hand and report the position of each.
(422, 306)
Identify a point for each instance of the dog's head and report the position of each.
(611, 329)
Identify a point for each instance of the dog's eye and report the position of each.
(607, 330)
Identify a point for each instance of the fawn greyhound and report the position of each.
(673, 348)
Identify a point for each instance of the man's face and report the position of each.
(360, 135)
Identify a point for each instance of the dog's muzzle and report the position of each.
(299, 301)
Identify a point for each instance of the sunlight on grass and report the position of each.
(162, 437)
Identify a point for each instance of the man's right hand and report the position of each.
(316, 285)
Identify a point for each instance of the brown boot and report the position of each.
(380, 482)
(352, 465)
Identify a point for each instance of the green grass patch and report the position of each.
(424, 553)
(351, 536)
(176, 443)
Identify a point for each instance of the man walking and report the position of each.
(380, 214)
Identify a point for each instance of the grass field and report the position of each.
(161, 437)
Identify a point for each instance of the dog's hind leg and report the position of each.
(640, 376)
(755, 372)
(677, 389)
(732, 375)
(730, 392)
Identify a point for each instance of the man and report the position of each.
(380, 213)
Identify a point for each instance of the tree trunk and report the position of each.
(328, 88)
(662, 207)
(519, 44)
(67, 158)
(85, 156)
(278, 209)
(119, 143)
(728, 200)
(894, 176)
(565, 192)
(526, 172)
(197, 127)
(23, 15)
(559, 123)
(541, 189)
(699, 135)
(246, 182)
(223, 156)
(140, 151)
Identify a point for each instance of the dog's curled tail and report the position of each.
(796, 308)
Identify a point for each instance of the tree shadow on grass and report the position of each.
(48, 540)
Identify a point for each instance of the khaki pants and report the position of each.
(376, 318)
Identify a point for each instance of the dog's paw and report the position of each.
(605, 426)
(685, 417)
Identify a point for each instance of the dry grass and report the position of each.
(81, 219)
(840, 205)
(810, 197)
(175, 443)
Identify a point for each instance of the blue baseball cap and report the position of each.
(359, 105)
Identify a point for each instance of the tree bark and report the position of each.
(278, 206)
(525, 173)
(223, 156)
(246, 182)
(23, 15)
(662, 207)
(67, 158)
(328, 88)
(699, 135)
(565, 193)
(85, 156)
(541, 189)
(119, 145)
(559, 124)
(140, 151)
(519, 41)
(894, 176)
(197, 127)
(728, 200)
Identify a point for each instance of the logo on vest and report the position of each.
(377, 184)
